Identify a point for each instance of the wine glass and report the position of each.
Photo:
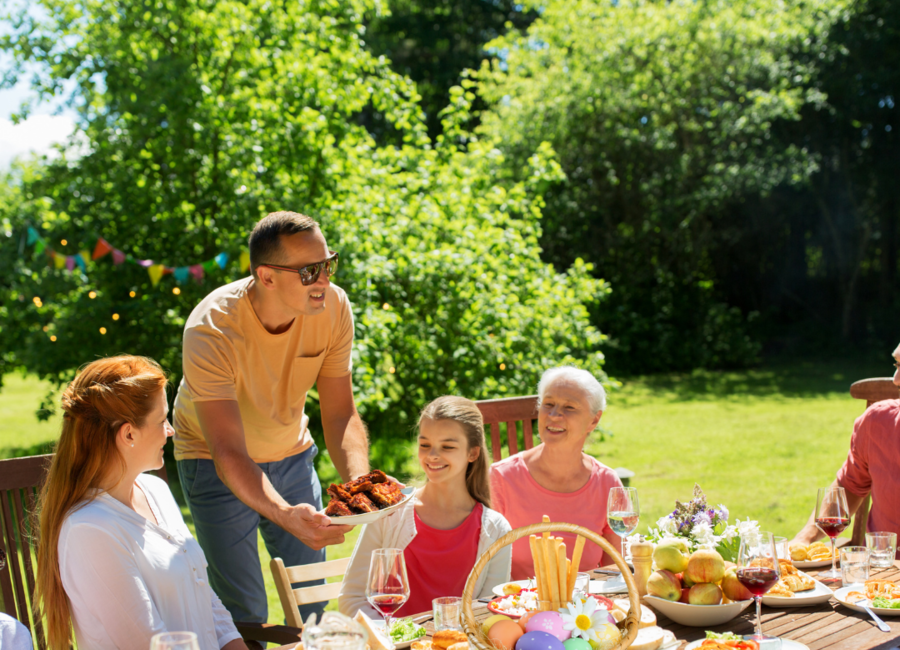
(623, 512)
(832, 517)
(388, 586)
(174, 641)
(758, 570)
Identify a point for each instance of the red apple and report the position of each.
(664, 584)
(705, 565)
(705, 593)
(733, 588)
(684, 595)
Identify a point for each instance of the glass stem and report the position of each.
(759, 616)
(833, 564)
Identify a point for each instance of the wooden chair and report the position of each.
(871, 390)
(293, 598)
(20, 483)
(509, 411)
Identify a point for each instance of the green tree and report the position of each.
(663, 116)
(197, 119)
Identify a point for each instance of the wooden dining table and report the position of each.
(829, 625)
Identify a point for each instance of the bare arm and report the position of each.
(224, 433)
(810, 532)
(345, 433)
(237, 644)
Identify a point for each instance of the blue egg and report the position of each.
(539, 641)
(576, 643)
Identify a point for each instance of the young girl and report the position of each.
(447, 525)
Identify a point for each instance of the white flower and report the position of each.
(584, 619)
(729, 533)
(666, 525)
(746, 527)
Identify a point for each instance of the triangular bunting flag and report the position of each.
(118, 256)
(59, 261)
(33, 236)
(145, 263)
(79, 260)
(39, 246)
(156, 272)
(101, 249)
(182, 273)
(85, 256)
(222, 260)
(209, 265)
(244, 260)
(197, 271)
(70, 262)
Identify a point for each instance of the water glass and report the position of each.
(582, 585)
(174, 641)
(781, 548)
(882, 549)
(854, 565)
(447, 613)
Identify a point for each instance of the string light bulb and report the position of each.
(53, 338)
(391, 370)
(176, 290)
(132, 294)
(63, 242)
(115, 317)
(92, 294)
(103, 330)
(502, 366)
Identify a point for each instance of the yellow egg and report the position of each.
(489, 622)
(504, 634)
(609, 636)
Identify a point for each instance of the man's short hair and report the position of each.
(265, 240)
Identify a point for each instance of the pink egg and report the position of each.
(549, 622)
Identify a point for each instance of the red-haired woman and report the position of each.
(115, 557)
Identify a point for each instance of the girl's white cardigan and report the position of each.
(397, 530)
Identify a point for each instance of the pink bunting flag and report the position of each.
(70, 262)
(145, 263)
(197, 272)
(118, 256)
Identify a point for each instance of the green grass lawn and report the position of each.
(758, 441)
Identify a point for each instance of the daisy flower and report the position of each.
(584, 619)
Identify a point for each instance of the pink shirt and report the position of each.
(873, 464)
(438, 562)
(518, 497)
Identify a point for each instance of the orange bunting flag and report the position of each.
(245, 260)
(101, 249)
(156, 272)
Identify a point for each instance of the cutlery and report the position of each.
(881, 624)
(608, 572)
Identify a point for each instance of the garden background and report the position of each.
(697, 201)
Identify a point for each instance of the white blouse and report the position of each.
(128, 578)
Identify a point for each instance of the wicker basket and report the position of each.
(473, 630)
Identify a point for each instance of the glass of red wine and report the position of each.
(388, 586)
(758, 570)
(832, 517)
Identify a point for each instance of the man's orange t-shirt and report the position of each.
(229, 355)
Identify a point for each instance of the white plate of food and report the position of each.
(365, 499)
(815, 565)
(786, 644)
(798, 590)
(507, 589)
(846, 597)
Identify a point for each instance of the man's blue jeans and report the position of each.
(226, 530)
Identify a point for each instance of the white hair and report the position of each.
(596, 396)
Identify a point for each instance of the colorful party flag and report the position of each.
(145, 263)
(209, 265)
(197, 271)
(39, 246)
(79, 260)
(222, 260)
(156, 272)
(70, 262)
(85, 256)
(33, 236)
(182, 273)
(59, 261)
(244, 260)
(118, 256)
(101, 249)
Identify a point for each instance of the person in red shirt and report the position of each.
(449, 523)
(872, 467)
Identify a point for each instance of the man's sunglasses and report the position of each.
(310, 273)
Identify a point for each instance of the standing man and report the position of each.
(252, 351)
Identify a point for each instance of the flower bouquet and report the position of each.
(702, 526)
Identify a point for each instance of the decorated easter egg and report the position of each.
(609, 635)
(489, 622)
(538, 640)
(576, 643)
(523, 620)
(504, 634)
(549, 622)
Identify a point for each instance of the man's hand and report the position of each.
(313, 528)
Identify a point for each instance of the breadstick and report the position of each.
(570, 583)
(540, 573)
(563, 577)
(550, 565)
(576, 562)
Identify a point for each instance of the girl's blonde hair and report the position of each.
(465, 412)
(105, 395)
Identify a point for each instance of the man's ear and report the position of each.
(266, 276)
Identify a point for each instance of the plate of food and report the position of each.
(365, 499)
(517, 605)
(814, 556)
(796, 589)
(513, 588)
(882, 597)
(732, 641)
(404, 631)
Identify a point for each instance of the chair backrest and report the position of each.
(20, 483)
(510, 411)
(872, 390)
(293, 598)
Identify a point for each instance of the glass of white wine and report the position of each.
(174, 641)
(623, 512)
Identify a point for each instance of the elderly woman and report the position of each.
(556, 478)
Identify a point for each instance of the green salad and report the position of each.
(723, 636)
(403, 630)
(886, 603)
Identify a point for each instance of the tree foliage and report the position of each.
(198, 118)
(664, 115)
